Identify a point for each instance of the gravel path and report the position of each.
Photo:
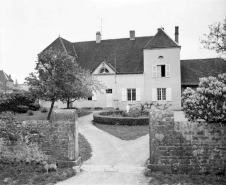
(114, 161)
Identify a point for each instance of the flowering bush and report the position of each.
(208, 102)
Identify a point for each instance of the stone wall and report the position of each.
(186, 147)
(59, 136)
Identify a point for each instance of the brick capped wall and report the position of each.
(186, 147)
(59, 135)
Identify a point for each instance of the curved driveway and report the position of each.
(114, 161)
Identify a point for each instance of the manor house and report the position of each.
(138, 69)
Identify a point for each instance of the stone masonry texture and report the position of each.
(57, 135)
(186, 147)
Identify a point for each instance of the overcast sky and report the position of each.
(28, 26)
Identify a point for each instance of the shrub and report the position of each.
(30, 113)
(208, 102)
(103, 118)
(22, 109)
(43, 110)
(98, 108)
(11, 101)
(86, 108)
(34, 106)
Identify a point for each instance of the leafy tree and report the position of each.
(208, 102)
(58, 77)
(216, 39)
(76, 89)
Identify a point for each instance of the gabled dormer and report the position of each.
(104, 68)
(162, 40)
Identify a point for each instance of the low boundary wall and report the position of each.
(186, 147)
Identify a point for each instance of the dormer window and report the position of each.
(160, 57)
(104, 70)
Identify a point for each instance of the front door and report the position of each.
(109, 97)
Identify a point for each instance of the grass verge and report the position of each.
(124, 132)
(38, 115)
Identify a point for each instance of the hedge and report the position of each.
(130, 121)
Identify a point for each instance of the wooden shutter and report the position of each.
(154, 94)
(94, 97)
(167, 70)
(168, 94)
(124, 95)
(154, 71)
(137, 94)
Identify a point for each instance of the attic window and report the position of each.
(161, 57)
(104, 70)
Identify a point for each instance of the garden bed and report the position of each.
(115, 118)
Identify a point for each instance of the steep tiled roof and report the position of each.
(69, 47)
(161, 40)
(127, 53)
(56, 44)
(192, 70)
(62, 45)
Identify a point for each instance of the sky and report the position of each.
(28, 26)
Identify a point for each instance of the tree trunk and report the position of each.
(51, 108)
(68, 102)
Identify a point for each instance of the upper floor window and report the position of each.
(104, 70)
(161, 70)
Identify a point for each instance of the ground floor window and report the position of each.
(161, 93)
(131, 94)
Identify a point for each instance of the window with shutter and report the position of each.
(154, 71)
(124, 95)
(131, 94)
(137, 94)
(94, 97)
(154, 94)
(168, 94)
(167, 70)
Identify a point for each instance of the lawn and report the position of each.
(124, 132)
(38, 115)
(33, 174)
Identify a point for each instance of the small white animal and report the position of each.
(49, 166)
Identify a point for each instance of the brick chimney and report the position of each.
(177, 34)
(98, 37)
(132, 35)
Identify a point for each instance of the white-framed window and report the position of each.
(104, 70)
(131, 94)
(161, 93)
(162, 70)
(108, 91)
(93, 97)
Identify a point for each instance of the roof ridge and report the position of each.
(112, 39)
(204, 59)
